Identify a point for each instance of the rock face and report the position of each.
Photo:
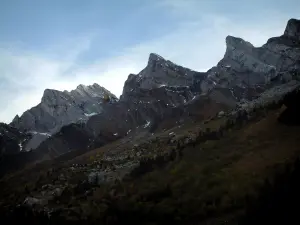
(58, 109)
(140, 107)
(245, 66)
(293, 29)
(159, 72)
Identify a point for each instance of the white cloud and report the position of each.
(198, 44)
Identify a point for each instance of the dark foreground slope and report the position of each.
(199, 173)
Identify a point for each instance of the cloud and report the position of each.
(197, 43)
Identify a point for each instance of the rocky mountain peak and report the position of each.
(293, 29)
(158, 72)
(50, 96)
(16, 118)
(236, 42)
(48, 92)
(95, 85)
(81, 86)
(94, 90)
(153, 58)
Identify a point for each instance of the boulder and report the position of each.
(31, 202)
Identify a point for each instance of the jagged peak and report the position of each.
(52, 93)
(153, 57)
(86, 87)
(96, 85)
(293, 28)
(49, 93)
(81, 86)
(16, 118)
(237, 42)
(48, 90)
(131, 76)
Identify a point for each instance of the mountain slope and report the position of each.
(200, 172)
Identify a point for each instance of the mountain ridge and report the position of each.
(163, 88)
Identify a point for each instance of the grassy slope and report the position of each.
(211, 182)
(214, 179)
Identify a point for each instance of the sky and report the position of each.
(60, 44)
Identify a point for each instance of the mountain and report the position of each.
(164, 89)
(244, 65)
(148, 98)
(58, 109)
(161, 96)
(180, 146)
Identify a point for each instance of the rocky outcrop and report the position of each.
(159, 72)
(245, 66)
(12, 141)
(293, 29)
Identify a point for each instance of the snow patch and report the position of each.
(21, 146)
(90, 114)
(147, 124)
(45, 134)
